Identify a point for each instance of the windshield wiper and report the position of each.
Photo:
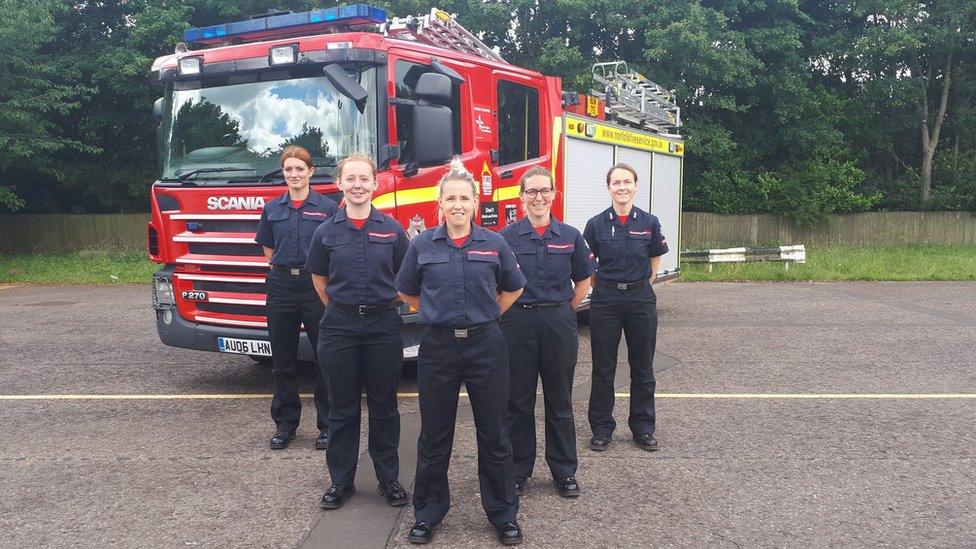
(185, 177)
(277, 171)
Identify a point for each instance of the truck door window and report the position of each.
(518, 122)
(407, 74)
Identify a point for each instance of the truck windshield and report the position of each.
(234, 128)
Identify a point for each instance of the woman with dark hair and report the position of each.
(462, 277)
(628, 246)
(541, 332)
(353, 259)
(285, 231)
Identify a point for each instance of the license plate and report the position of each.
(244, 346)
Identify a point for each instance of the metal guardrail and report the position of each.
(787, 254)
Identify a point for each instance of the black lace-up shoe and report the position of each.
(322, 441)
(394, 493)
(336, 495)
(280, 440)
(520, 482)
(567, 487)
(599, 443)
(421, 532)
(509, 533)
(646, 441)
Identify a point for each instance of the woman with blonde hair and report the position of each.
(461, 277)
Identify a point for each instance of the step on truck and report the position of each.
(411, 92)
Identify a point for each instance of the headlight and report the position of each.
(283, 55)
(163, 297)
(190, 66)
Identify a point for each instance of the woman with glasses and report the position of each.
(541, 332)
(628, 246)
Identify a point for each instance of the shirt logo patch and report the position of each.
(483, 252)
(382, 235)
(560, 246)
(640, 233)
(315, 214)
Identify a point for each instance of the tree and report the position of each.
(33, 95)
(925, 44)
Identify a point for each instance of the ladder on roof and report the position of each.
(632, 98)
(441, 29)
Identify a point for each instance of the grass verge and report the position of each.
(921, 262)
(83, 267)
(823, 263)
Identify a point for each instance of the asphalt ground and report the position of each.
(789, 415)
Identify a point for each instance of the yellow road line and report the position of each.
(726, 396)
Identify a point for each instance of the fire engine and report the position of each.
(413, 93)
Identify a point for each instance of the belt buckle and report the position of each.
(296, 272)
(362, 309)
(622, 285)
(461, 334)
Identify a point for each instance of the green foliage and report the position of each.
(797, 107)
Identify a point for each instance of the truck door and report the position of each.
(415, 192)
(519, 106)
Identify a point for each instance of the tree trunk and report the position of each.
(928, 154)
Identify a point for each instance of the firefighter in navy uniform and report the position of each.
(353, 260)
(285, 231)
(462, 277)
(628, 246)
(541, 332)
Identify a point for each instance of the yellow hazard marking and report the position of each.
(505, 193)
(557, 132)
(615, 135)
(405, 197)
(727, 396)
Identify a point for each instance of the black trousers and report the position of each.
(356, 351)
(292, 301)
(633, 312)
(481, 363)
(542, 342)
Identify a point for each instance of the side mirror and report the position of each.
(433, 88)
(346, 85)
(158, 108)
(433, 136)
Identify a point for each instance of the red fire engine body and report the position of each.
(409, 99)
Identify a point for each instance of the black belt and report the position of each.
(622, 285)
(364, 310)
(293, 271)
(463, 333)
(535, 305)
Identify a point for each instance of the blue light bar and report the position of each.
(268, 27)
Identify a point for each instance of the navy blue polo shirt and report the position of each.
(551, 262)
(624, 252)
(289, 230)
(458, 286)
(359, 263)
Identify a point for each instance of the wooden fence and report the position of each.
(871, 228)
(62, 232)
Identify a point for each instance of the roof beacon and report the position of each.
(290, 24)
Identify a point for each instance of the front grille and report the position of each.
(229, 226)
(236, 287)
(249, 250)
(228, 308)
